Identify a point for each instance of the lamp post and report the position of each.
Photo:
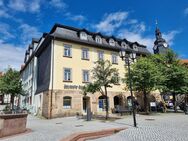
(126, 57)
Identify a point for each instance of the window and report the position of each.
(67, 102)
(85, 76)
(135, 47)
(67, 50)
(85, 53)
(98, 39)
(67, 74)
(102, 103)
(112, 42)
(124, 45)
(114, 58)
(100, 55)
(83, 36)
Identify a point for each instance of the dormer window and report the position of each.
(124, 45)
(83, 36)
(112, 42)
(98, 39)
(135, 47)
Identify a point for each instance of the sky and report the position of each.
(22, 20)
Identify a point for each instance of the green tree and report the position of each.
(145, 77)
(104, 76)
(10, 84)
(175, 74)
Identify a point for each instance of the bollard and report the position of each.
(88, 114)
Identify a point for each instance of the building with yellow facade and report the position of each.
(65, 57)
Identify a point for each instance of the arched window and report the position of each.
(98, 39)
(83, 36)
(67, 102)
(112, 42)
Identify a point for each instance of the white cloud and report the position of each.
(25, 5)
(133, 37)
(5, 31)
(11, 55)
(111, 22)
(186, 11)
(76, 18)
(58, 4)
(147, 40)
(28, 32)
(169, 37)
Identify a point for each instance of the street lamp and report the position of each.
(127, 57)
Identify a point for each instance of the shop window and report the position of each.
(67, 102)
(102, 103)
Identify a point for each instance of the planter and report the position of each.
(11, 124)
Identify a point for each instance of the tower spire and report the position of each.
(156, 23)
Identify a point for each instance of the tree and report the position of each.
(175, 74)
(10, 84)
(145, 77)
(104, 76)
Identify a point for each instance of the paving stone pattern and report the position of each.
(159, 127)
(164, 127)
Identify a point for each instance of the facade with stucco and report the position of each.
(65, 57)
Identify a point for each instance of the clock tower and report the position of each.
(160, 44)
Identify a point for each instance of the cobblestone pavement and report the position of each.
(59, 128)
(163, 127)
(159, 127)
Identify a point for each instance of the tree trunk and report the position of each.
(174, 102)
(146, 109)
(106, 102)
(12, 101)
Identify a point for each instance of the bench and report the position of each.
(121, 110)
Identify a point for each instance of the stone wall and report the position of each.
(11, 124)
(76, 104)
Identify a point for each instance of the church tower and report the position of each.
(160, 44)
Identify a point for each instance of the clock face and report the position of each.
(165, 44)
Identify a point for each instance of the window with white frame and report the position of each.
(85, 75)
(112, 42)
(83, 36)
(98, 39)
(67, 102)
(67, 74)
(67, 50)
(85, 53)
(124, 45)
(135, 47)
(100, 55)
(114, 58)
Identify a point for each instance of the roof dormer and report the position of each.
(83, 34)
(124, 44)
(98, 39)
(111, 41)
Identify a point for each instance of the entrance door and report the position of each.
(86, 103)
